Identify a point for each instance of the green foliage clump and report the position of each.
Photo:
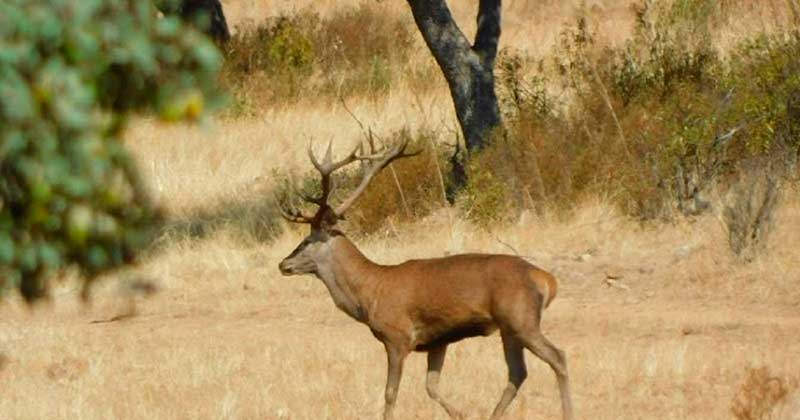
(70, 73)
(764, 82)
(281, 44)
(289, 47)
(487, 197)
(520, 93)
(355, 51)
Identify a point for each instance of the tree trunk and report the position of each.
(206, 14)
(468, 69)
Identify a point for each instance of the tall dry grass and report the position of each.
(221, 338)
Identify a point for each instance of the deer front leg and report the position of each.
(435, 363)
(395, 357)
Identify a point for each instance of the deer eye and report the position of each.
(299, 248)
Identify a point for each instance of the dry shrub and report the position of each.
(504, 178)
(359, 50)
(270, 62)
(365, 50)
(654, 123)
(414, 193)
(251, 217)
(760, 395)
(749, 214)
(405, 191)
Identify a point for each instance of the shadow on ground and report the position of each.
(254, 218)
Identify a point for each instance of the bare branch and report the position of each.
(488, 34)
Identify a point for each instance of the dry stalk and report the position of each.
(368, 135)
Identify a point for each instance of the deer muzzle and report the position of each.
(286, 268)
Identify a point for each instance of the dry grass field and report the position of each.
(658, 320)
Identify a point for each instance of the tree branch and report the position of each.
(440, 32)
(488, 35)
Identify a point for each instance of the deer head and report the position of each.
(314, 250)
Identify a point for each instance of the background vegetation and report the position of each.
(656, 122)
(70, 74)
(353, 51)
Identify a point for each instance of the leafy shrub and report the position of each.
(519, 93)
(70, 73)
(487, 198)
(355, 51)
(272, 60)
(279, 45)
(289, 48)
(653, 123)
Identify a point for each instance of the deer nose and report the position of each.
(284, 267)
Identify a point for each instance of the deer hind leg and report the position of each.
(553, 356)
(435, 363)
(517, 372)
(395, 358)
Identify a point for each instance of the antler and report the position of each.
(294, 216)
(289, 213)
(373, 163)
(325, 169)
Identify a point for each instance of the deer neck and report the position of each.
(347, 274)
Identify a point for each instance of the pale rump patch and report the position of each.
(547, 285)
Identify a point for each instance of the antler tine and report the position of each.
(312, 157)
(376, 162)
(371, 140)
(305, 196)
(328, 166)
(292, 215)
(325, 169)
(328, 152)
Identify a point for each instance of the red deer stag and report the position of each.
(424, 305)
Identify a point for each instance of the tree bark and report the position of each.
(207, 14)
(468, 68)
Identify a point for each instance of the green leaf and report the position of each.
(6, 248)
(71, 74)
(49, 255)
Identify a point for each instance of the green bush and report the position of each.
(487, 198)
(358, 50)
(281, 44)
(70, 73)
